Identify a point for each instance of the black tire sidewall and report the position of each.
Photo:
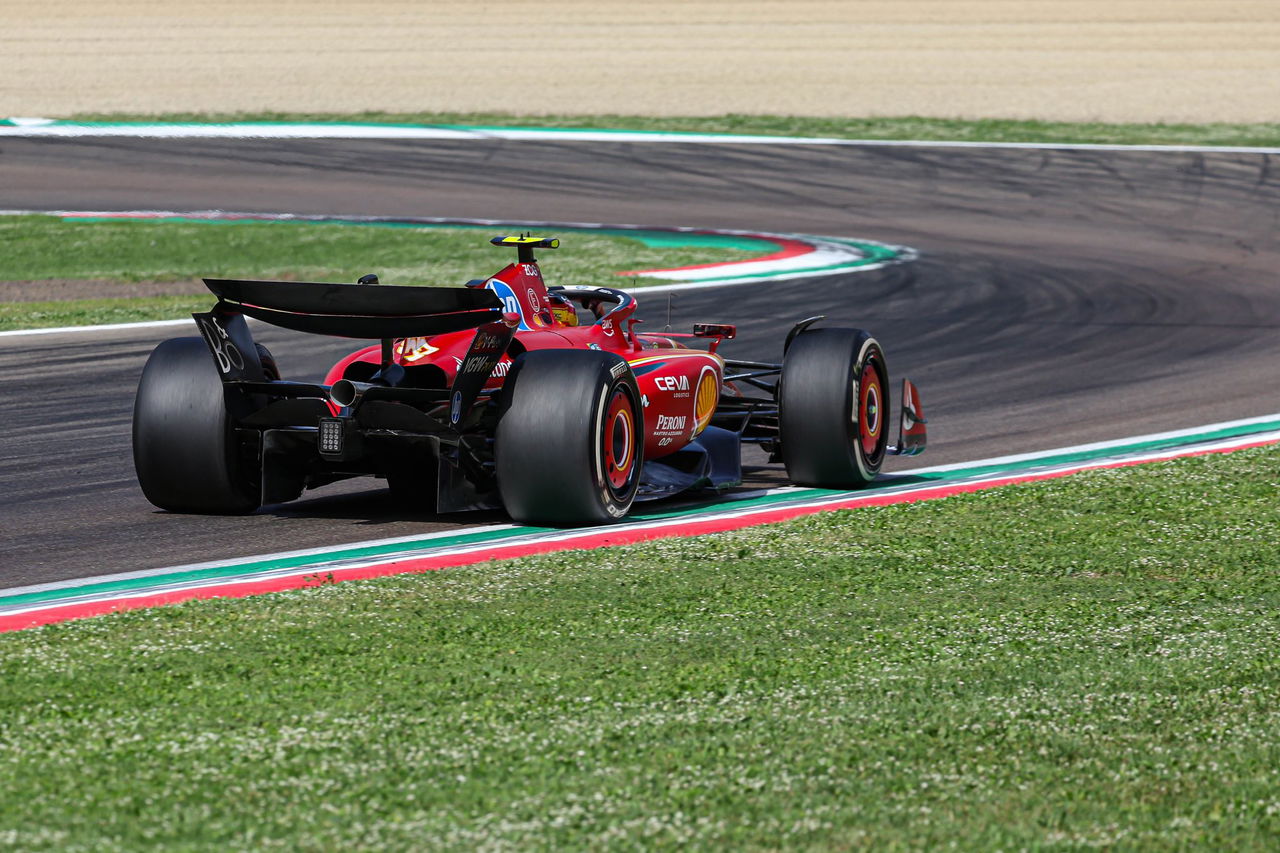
(183, 448)
(818, 408)
(548, 442)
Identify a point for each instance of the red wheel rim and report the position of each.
(870, 420)
(619, 437)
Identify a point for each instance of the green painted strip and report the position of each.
(666, 240)
(655, 239)
(405, 549)
(1106, 452)
(408, 550)
(879, 250)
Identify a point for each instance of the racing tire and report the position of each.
(184, 451)
(833, 401)
(270, 369)
(570, 445)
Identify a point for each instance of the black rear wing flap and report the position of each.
(371, 312)
(375, 312)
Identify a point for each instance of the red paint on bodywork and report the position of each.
(667, 372)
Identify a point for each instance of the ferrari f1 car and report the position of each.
(545, 401)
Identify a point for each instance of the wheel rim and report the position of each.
(619, 441)
(870, 410)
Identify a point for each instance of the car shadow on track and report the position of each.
(377, 506)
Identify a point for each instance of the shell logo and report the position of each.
(414, 349)
(704, 401)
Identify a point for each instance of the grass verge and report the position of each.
(905, 127)
(45, 247)
(1089, 661)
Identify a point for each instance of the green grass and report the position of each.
(43, 247)
(1085, 662)
(906, 127)
(89, 312)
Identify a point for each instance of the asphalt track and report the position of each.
(1061, 297)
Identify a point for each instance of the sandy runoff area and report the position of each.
(1110, 60)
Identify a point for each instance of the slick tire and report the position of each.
(570, 445)
(833, 408)
(270, 369)
(183, 447)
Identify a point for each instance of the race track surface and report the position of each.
(1061, 297)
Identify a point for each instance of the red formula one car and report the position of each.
(545, 401)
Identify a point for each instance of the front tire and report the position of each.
(570, 446)
(183, 442)
(833, 406)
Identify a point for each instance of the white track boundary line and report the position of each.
(38, 127)
(1170, 435)
(718, 511)
(568, 537)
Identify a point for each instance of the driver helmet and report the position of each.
(562, 309)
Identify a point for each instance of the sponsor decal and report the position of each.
(510, 304)
(476, 364)
(671, 383)
(226, 353)
(593, 346)
(480, 357)
(534, 302)
(606, 326)
(671, 423)
(704, 406)
(618, 369)
(500, 369)
(416, 349)
(487, 343)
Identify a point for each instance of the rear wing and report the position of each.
(356, 310)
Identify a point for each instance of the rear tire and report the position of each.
(183, 443)
(570, 446)
(270, 369)
(833, 403)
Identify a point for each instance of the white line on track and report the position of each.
(1171, 435)
(37, 127)
(716, 511)
(110, 327)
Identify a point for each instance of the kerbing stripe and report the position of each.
(16, 613)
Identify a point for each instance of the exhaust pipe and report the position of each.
(345, 392)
